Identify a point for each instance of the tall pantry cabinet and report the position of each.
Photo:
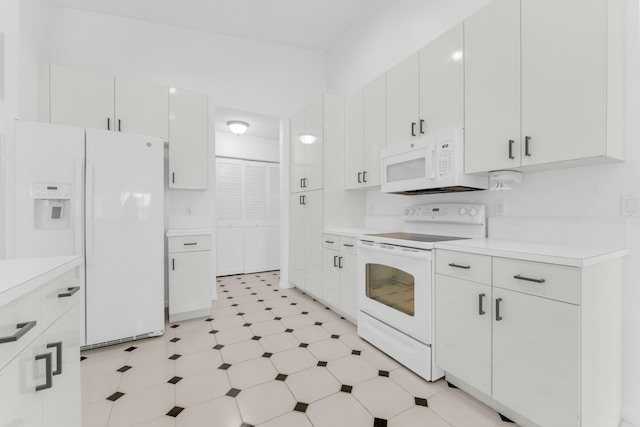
(318, 198)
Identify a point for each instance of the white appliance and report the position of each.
(432, 164)
(99, 194)
(395, 274)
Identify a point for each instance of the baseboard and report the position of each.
(631, 417)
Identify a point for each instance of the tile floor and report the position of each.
(266, 357)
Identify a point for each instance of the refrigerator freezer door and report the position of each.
(124, 236)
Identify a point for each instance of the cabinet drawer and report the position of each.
(331, 241)
(473, 267)
(25, 311)
(348, 244)
(189, 243)
(59, 295)
(551, 281)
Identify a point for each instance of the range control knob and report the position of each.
(462, 211)
(406, 212)
(473, 212)
(412, 211)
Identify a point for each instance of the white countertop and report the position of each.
(20, 276)
(537, 252)
(351, 232)
(173, 232)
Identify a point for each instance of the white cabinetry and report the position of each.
(306, 241)
(339, 274)
(522, 334)
(307, 140)
(189, 276)
(188, 140)
(365, 134)
(539, 96)
(40, 354)
(97, 100)
(425, 91)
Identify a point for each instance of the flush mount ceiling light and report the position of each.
(501, 180)
(307, 139)
(238, 127)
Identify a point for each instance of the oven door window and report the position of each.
(391, 287)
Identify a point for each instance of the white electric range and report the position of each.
(395, 281)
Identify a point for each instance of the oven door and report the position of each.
(394, 286)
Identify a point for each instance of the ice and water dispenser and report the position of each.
(51, 206)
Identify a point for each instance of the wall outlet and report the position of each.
(188, 209)
(629, 206)
(498, 208)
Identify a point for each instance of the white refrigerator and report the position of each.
(99, 194)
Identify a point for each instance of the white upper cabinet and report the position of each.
(403, 100)
(544, 84)
(81, 98)
(141, 107)
(188, 142)
(365, 134)
(307, 140)
(442, 83)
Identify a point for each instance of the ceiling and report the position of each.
(259, 124)
(310, 24)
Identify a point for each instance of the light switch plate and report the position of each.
(629, 206)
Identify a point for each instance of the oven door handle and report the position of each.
(395, 250)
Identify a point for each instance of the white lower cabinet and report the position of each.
(539, 342)
(189, 277)
(339, 274)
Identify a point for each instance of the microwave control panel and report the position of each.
(444, 162)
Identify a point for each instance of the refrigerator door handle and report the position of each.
(78, 219)
(89, 214)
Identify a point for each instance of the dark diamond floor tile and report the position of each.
(253, 293)
(305, 312)
(247, 325)
(421, 401)
(335, 337)
(451, 385)
(234, 305)
(288, 330)
(505, 419)
(233, 392)
(303, 345)
(268, 308)
(379, 422)
(278, 318)
(247, 425)
(356, 352)
(281, 377)
(322, 363)
(240, 314)
(130, 349)
(224, 366)
(383, 373)
(82, 358)
(267, 355)
(213, 331)
(175, 339)
(208, 319)
(260, 300)
(218, 347)
(256, 338)
(125, 368)
(318, 323)
(175, 357)
(294, 303)
(301, 407)
(228, 297)
(115, 396)
(175, 411)
(283, 296)
(346, 388)
(175, 326)
(175, 380)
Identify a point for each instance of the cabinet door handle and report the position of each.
(58, 347)
(364, 176)
(119, 125)
(359, 177)
(498, 317)
(335, 260)
(191, 244)
(304, 181)
(49, 374)
(108, 123)
(23, 328)
(173, 177)
(70, 291)
(480, 304)
(329, 241)
(528, 279)
(347, 245)
(526, 145)
(303, 200)
(413, 128)
(421, 126)
(339, 262)
(465, 267)
(173, 263)
(301, 183)
(511, 142)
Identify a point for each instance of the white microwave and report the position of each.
(429, 165)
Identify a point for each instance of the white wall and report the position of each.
(390, 33)
(247, 147)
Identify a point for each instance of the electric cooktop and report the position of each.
(427, 238)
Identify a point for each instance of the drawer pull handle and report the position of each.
(190, 244)
(70, 291)
(58, 347)
(528, 279)
(339, 262)
(498, 317)
(47, 361)
(465, 267)
(347, 245)
(359, 177)
(335, 260)
(329, 241)
(23, 328)
(480, 307)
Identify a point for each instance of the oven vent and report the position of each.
(440, 190)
